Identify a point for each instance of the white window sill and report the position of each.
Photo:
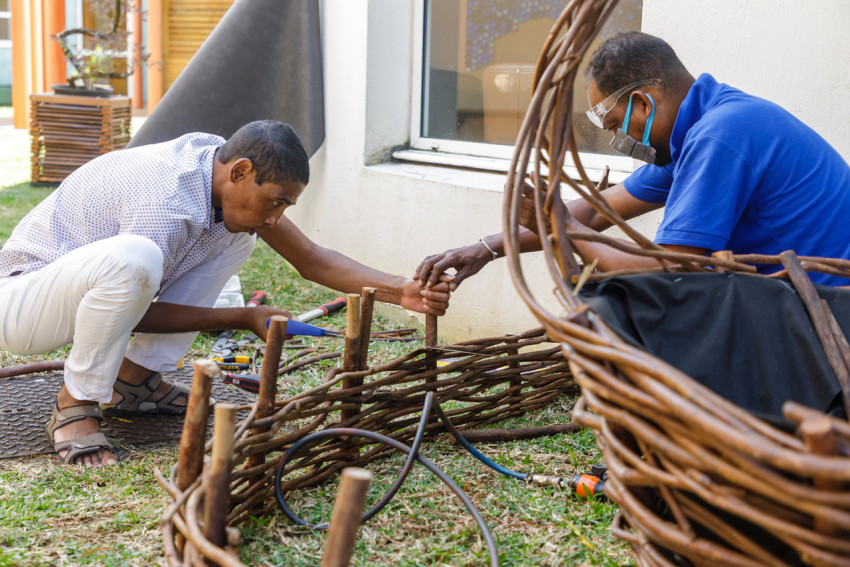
(462, 162)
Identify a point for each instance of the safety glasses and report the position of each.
(598, 112)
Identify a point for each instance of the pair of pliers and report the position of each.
(225, 344)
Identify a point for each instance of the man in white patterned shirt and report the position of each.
(171, 222)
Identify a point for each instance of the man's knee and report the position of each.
(136, 260)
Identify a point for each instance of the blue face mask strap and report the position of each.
(648, 121)
(628, 116)
(648, 127)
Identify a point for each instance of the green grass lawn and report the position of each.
(61, 515)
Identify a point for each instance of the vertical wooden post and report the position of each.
(268, 380)
(190, 460)
(357, 334)
(350, 362)
(431, 341)
(345, 519)
(430, 330)
(515, 379)
(367, 307)
(217, 496)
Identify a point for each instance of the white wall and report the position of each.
(795, 53)
(392, 215)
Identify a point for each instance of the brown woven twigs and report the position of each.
(486, 381)
(699, 481)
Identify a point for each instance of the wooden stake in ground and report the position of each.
(217, 497)
(268, 380)
(345, 519)
(352, 347)
(190, 460)
(367, 307)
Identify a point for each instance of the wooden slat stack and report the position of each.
(68, 131)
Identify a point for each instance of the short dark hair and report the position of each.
(629, 57)
(274, 149)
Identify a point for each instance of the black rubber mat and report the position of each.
(26, 403)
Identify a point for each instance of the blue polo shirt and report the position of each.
(747, 176)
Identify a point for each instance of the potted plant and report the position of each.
(92, 52)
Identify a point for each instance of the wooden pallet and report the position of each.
(68, 131)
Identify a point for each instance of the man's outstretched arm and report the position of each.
(469, 260)
(337, 271)
(173, 318)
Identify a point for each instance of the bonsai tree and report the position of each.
(100, 47)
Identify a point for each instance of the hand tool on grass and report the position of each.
(234, 366)
(294, 328)
(322, 310)
(225, 344)
(250, 382)
(257, 298)
(239, 359)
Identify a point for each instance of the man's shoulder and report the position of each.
(191, 143)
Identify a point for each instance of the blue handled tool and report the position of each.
(294, 328)
(298, 328)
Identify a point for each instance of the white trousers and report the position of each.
(95, 295)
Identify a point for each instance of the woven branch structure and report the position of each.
(698, 480)
(485, 381)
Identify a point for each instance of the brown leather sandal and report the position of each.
(84, 445)
(135, 399)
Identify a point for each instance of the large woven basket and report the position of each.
(698, 480)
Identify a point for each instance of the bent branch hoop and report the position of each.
(698, 480)
(483, 381)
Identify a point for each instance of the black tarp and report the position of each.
(263, 61)
(747, 338)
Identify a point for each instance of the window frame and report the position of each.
(479, 155)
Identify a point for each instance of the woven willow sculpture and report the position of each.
(486, 381)
(697, 479)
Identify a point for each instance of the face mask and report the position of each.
(628, 145)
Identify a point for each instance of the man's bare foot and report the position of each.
(79, 429)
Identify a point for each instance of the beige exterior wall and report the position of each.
(392, 215)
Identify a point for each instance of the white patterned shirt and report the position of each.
(161, 191)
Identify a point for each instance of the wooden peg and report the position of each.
(352, 334)
(268, 381)
(217, 497)
(351, 364)
(345, 519)
(430, 330)
(271, 362)
(190, 458)
(367, 307)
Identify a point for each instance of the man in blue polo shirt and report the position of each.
(735, 172)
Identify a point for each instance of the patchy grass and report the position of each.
(60, 515)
